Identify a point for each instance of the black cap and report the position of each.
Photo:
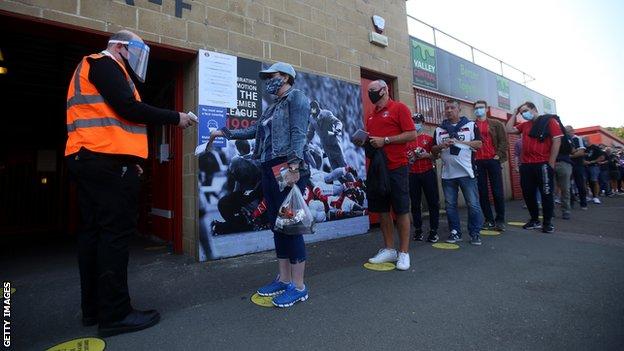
(418, 117)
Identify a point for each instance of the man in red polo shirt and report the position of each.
(541, 139)
(390, 127)
(423, 179)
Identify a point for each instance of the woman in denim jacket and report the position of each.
(280, 137)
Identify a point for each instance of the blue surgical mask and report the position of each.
(419, 127)
(273, 85)
(479, 112)
(527, 115)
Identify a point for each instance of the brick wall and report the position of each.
(321, 36)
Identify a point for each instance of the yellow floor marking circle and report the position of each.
(264, 301)
(381, 267)
(85, 344)
(490, 232)
(445, 246)
(519, 224)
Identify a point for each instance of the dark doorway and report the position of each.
(36, 194)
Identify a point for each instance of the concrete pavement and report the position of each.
(522, 290)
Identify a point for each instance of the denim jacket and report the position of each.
(290, 117)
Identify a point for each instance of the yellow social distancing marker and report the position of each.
(517, 224)
(490, 232)
(380, 267)
(264, 301)
(445, 246)
(84, 344)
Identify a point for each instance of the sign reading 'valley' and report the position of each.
(424, 61)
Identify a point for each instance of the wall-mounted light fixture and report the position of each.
(377, 37)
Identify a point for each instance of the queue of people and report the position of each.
(107, 142)
(555, 166)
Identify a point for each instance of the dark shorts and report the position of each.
(399, 197)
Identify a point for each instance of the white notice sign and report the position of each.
(217, 79)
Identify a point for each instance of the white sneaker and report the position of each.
(596, 200)
(403, 262)
(384, 255)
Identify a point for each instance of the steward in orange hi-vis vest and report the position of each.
(94, 125)
(106, 145)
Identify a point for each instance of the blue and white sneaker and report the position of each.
(276, 287)
(454, 237)
(290, 296)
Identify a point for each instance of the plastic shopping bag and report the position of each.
(294, 217)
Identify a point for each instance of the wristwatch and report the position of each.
(386, 140)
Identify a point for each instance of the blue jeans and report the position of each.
(291, 247)
(469, 189)
(491, 169)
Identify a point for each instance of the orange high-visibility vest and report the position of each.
(94, 125)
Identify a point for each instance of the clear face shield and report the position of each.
(138, 55)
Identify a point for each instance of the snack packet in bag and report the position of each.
(294, 217)
(279, 172)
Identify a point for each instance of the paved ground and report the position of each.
(522, 290)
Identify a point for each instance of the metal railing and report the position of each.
(435, 31)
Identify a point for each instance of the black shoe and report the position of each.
(548, 228)
(89, 321)
(433, 237)
(487, 225)
(499, 226)
(134, 321)
(532, 225)
(418, 235)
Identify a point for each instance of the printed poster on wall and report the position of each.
(216, 93)
(232, 212)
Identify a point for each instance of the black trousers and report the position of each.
(108, 189)
(491, 169)
(534, 177)
(578, 172)
(426, 183)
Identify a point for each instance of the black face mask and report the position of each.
(375, 96)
